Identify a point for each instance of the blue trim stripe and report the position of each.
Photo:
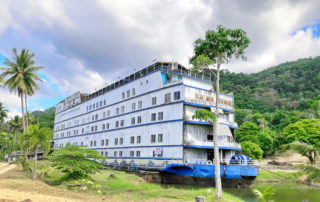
(111, 117)
(155, 158)
(178, 84)
(134, 147)
(145, 124)
(211, 147)
(202, 105)
(207, 123)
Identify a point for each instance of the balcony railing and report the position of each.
(205, 102)
(210, 144)
(220, 120)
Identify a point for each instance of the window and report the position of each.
(133, 120)
(89, 107)
(103, 126)
(92, 128)
(104, 102)
(106, 153)
(133, 91)
(133, 106)
(95, 143)
(117, 124)
(107, 125)
(107, 142)
(101, 153)
(153, 116)
(116, 141)
(92, 117)
(128, 93)
(95, 128)
(101, 103)
(115, 153)
(120, 153)
(167, 97)
(176, 95)
(160, 116)
(122, 123)
(153, 138)
(82, 130)
(138, 139)
(102, 142)
(91, 143)
(131, 153)
(122, 109)
(94, 106)
(139, 119)
(123, 95)
(132, 140)
(104, 114)
(154, 100)
(160, 137)
(117, 110)
(139, 104)
(121, 140)
(108, 113)
(138, 153)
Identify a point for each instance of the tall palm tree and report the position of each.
(3, 113)
(35, 139)
(20, 76)
(15, 126)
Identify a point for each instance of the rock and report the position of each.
(112, 175)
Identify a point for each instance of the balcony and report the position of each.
(206, 102)
(230, 123)
(210, 144)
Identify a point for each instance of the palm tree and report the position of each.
(15, 126)
(22, 78)
(34, 139)
(305, 149)
(3, 113)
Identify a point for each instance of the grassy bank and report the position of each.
(122, 186)
(277, 176)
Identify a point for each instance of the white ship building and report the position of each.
(147, 116)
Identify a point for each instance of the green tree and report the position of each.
(15, 126)
(3, 113)
(251, 149)
(6, 145)
(308, 150)
(248, 131)
(218, 47)
(35, 139)
(20, 76)
(76, 161)
(266, 141)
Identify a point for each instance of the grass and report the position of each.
(124, 186)
(277, 175)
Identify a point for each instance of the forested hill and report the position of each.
(290, 86)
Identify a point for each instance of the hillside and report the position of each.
(290, 86)
(44, 118)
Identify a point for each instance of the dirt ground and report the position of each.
(16, 186)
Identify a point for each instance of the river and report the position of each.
(283, 192)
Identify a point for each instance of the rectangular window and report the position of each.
(95, 143)
(95, 128)
(133, 91)
(106, 153)
(107, 126)
(108, 113)
(101, 103)
(92, 128)
(160, 137)
(115, 153)
(101, 153)
(107, 142)
(128, 93)
(138, 139)
(82, 130)
(122, 109)
(133, 106)
(121, 140)
(139, 104)
(154, 100)
(104, 102)
(120, 153)
(104, 114)
(94, 106)
(139, 119)
(138, 153)
(91, 143)
(167, 97)
(131, 153)
(116, 141)
(92, 117)
(176, 95)
(153, 138)
(123, 95)
(153, 116)
(96, 116)
(103, 126)
(122, 123)
(133, 120)
(160, 116)
(102, 142)
(117, 124)
(117, 110)
(132, 140)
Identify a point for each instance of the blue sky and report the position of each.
(85, 45)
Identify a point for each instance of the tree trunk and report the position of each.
(22, 111)
(215, 139)
(26, 104)
(34, 173)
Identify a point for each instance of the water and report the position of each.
(283, 192)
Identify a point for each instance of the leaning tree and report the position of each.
(218, 47)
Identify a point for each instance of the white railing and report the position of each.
(210, 143)
(225, 121)
(205, 102)
(224, 162)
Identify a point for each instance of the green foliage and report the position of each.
(308, 150)
(76, 161)
(264, 196)
(3, 113)
(205, 115)
(313, 171)
(248, 132)
(44, 118)
(251, 149)
(265, 142)
(6, 144)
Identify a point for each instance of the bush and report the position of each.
(251, 149)
(76, 161)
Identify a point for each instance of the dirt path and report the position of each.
(16, 186)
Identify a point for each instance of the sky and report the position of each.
(87, 44)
